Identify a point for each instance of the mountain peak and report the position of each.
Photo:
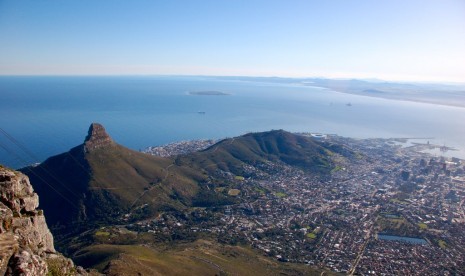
(97, 138)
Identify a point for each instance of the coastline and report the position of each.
(397, 97)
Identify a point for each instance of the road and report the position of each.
(362, 250)
(153, 186)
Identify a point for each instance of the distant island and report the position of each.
(208, 93)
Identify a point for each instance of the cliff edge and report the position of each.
(26, 243)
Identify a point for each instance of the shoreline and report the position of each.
(397, 97)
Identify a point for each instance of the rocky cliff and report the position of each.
(26, 244)
(97, 138)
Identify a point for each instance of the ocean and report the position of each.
(44, 116)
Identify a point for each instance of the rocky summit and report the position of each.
(97, 138)
(26, 244)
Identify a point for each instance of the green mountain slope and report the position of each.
(202, 257)
(255, 148)
(101, 181)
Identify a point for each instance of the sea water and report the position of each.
(45, 116)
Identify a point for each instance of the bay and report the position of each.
(49, 115)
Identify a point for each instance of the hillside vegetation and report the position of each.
(202, 257)
(101, 182)
(254, 148)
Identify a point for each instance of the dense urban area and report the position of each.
(391, 209)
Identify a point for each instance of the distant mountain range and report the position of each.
(101, 181)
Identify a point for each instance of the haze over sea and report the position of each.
(49, 115)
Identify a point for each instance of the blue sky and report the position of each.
(421, 40)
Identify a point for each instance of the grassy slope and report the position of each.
(60, 182)
(230, 154)
(199, 258)
(136, 178)
(106, 182)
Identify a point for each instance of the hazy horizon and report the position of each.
(420, 41)
(367, 79)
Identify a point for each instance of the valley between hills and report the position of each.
(269, 203)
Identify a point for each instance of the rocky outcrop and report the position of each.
(97, 138)
(26, 244)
